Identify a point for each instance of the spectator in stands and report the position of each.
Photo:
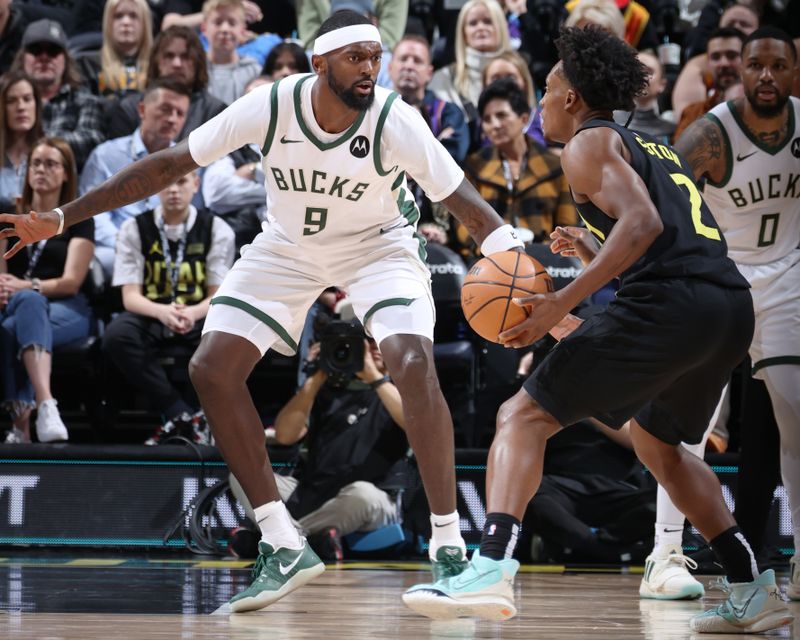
(390, 17)
(228, 72)
(169, 262)
(645, 116)
(601, 13)
(41, 305)
(724, 55)
(20, 127)
(713, 15)
(481, 33)
(510, 64)
(627, 19)
(517, 176)
(695, 78)
(12, 26)
(163, 112)
(176, 52)
(410, 70)
(120, 67)
(353, 430)
(233, 187)
(284, 60)
(69, 110)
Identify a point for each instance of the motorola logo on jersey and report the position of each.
(796, 147)
(359, 147)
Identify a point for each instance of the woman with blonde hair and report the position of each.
(121, 66)
(20, 127)
(41, 304)
(601, 13)
(481, 33)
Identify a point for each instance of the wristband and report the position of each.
(379, 382)
(60, 213)
(501, 239)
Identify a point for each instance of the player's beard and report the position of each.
(767, 110)
(349, 97)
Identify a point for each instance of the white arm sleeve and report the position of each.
(244, 122)
(424, 159)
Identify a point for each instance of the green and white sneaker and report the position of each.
(450, 561)
(485, 589)
(666, 576)
(277, 572)
(751, 607)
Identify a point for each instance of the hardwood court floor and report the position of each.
(119, 599)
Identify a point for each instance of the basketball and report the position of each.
(492, 283)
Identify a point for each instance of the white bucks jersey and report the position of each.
(331, 190)
(757, 204)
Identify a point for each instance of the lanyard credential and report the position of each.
(173, 268)
(34, 254)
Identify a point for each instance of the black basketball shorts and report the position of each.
(661, 353)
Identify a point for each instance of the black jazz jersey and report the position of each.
(691, 244)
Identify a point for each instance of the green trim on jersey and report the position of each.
(398, 181)
(258, 315)
(390, 302)
(376, 143)
(423, 242)
(322, 146)
(728, 154)
(746, 131)
(770, 362)
(273, 118)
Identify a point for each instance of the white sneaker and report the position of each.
(16, 436)
(793, 588)
(666, 576)
(49, 426)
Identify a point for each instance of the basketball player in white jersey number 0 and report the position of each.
(748, 150)
(336, 152)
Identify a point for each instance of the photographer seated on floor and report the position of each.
(351, 417)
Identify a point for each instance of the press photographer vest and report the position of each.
(192, 280)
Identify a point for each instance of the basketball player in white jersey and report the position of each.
(336, 151)
(748, 151)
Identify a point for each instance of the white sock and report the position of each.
(446, 531)
(276, 526)
(669, 519)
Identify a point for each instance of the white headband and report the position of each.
(339, 38)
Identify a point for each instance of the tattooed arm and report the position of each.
(143, 178)
(704, 148)
(472, 211)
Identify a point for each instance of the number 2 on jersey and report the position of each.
(315, 221)
(696, 202)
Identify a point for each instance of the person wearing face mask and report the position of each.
(481, 33)
(20, 127)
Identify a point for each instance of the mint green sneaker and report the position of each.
(450, 561)
(485, 589)
(751, 607)
(276, 574)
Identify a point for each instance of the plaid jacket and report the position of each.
(539, 200)
(77, 116)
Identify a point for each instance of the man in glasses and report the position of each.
(69, 111)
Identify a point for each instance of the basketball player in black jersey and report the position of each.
(658, 355)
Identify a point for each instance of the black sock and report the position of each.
(735, 554)
(499, 536)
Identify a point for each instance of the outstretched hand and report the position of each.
(29, 228)
(574, 241)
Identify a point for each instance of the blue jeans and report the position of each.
(30, 319)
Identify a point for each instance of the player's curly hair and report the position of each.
(601, 67)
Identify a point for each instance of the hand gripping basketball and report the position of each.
(491, 285)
